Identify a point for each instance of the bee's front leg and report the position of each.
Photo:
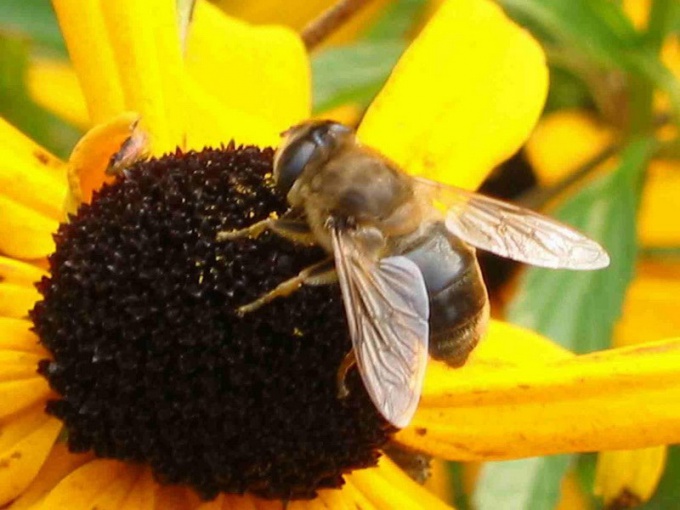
(290, 226)
(321, 273)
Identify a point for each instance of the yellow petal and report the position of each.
(16, 335)
(58, 465)
(347, 114)
(13, 141)
(662, 190)
(263, 71)
(463, 98)
(650, 310)
(54, 85)
(629, 476)
(29, 175)
(145, 44)
(26, 183)
(615, 399)
(82, 25)
(387, 486)
(25, 442)
(637, 11)
(101, 484)
(91, 157)
(24, 233)
(507, 344)
(20, 273)
(142, 495)
(440, 482)
(211, 123)
(572, 496)
(16, 300)
(176, 498)
(563, 141)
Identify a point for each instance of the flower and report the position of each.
(519, 395)
(562, 142)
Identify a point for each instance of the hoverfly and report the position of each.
(407, 269)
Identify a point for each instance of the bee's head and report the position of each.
(310, 142)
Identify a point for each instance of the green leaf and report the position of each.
(586, 468)
(578, 309)
(35, 20)
(19, 109)
(597, 30)
(461, 498)
(397, 21)
(353, 73)
(667, 494)
(525, 484)
(356, 72)
(566, 91)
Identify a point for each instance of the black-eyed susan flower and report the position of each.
(167, 399)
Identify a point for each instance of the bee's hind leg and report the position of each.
(348, 362)
(321, 273)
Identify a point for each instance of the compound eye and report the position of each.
(290, 162)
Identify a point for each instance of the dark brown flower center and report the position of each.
(153, 365)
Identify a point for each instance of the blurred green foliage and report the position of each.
(28, 28)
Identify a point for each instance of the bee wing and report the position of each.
(511, 231)
(387, 311)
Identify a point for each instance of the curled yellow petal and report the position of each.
(82, 25)
(58, 465)
(387, 486)
(54, 85)
(463, 98)
(629, 476)
(615, 399)
(141, 39)
(259, 70)
(25, 442)
(91, 157)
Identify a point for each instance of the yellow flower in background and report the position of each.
(463, 98)
(562, 142)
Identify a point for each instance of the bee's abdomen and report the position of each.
(458, 298)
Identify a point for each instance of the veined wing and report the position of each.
(387, 311)
(511, 231)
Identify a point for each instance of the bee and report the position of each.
(403, 251)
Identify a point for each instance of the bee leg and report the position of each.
(321, 273)
(348, 362)
(293, 228)
(253, 231)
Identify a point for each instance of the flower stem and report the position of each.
(328, 21)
